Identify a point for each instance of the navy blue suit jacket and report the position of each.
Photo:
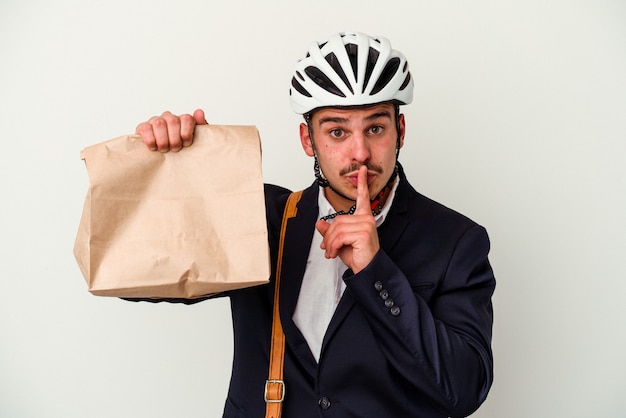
(411, 336)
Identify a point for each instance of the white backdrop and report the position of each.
(519, 121)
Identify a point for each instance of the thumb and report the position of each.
(322, 226)
(198, 116)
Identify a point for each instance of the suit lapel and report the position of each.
(390, 231)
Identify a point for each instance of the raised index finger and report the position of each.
(363, 206)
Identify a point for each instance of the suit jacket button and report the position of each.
(389, 303)
(324, 402)
(378, 285)
(384, 294)
(395, 311)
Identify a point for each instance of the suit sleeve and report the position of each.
(441, 346)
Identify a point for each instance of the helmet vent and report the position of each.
(372, 58)
(296, 85)
(387, 74)
(353, 51)
(406, 81)
(323, 81)
(334, 62)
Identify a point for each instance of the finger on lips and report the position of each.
(362, 192)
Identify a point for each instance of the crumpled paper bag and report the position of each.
(174, 225)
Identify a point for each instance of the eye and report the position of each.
(336, 133)
(377, 129)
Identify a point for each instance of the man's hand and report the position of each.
(169, 132)
(352, 237)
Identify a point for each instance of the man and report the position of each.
(385, 296)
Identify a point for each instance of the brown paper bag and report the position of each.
(174, 225)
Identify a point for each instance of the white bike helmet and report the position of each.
(350, 69)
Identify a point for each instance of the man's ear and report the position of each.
(305, 140)
(402, 125)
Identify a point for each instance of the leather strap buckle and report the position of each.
(270, 394)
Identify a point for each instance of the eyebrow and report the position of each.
(338, 119)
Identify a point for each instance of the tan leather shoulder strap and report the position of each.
(275, 386)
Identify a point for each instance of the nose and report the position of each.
(360, 149)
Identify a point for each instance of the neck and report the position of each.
(338, 202)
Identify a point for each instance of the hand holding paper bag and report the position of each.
(169, 132)
(174, 225)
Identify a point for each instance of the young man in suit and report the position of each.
(385, 295)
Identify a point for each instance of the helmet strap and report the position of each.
(397, 112)
(375, 205)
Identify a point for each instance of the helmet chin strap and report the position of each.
(323, 181)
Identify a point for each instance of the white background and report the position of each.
(519, 121)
